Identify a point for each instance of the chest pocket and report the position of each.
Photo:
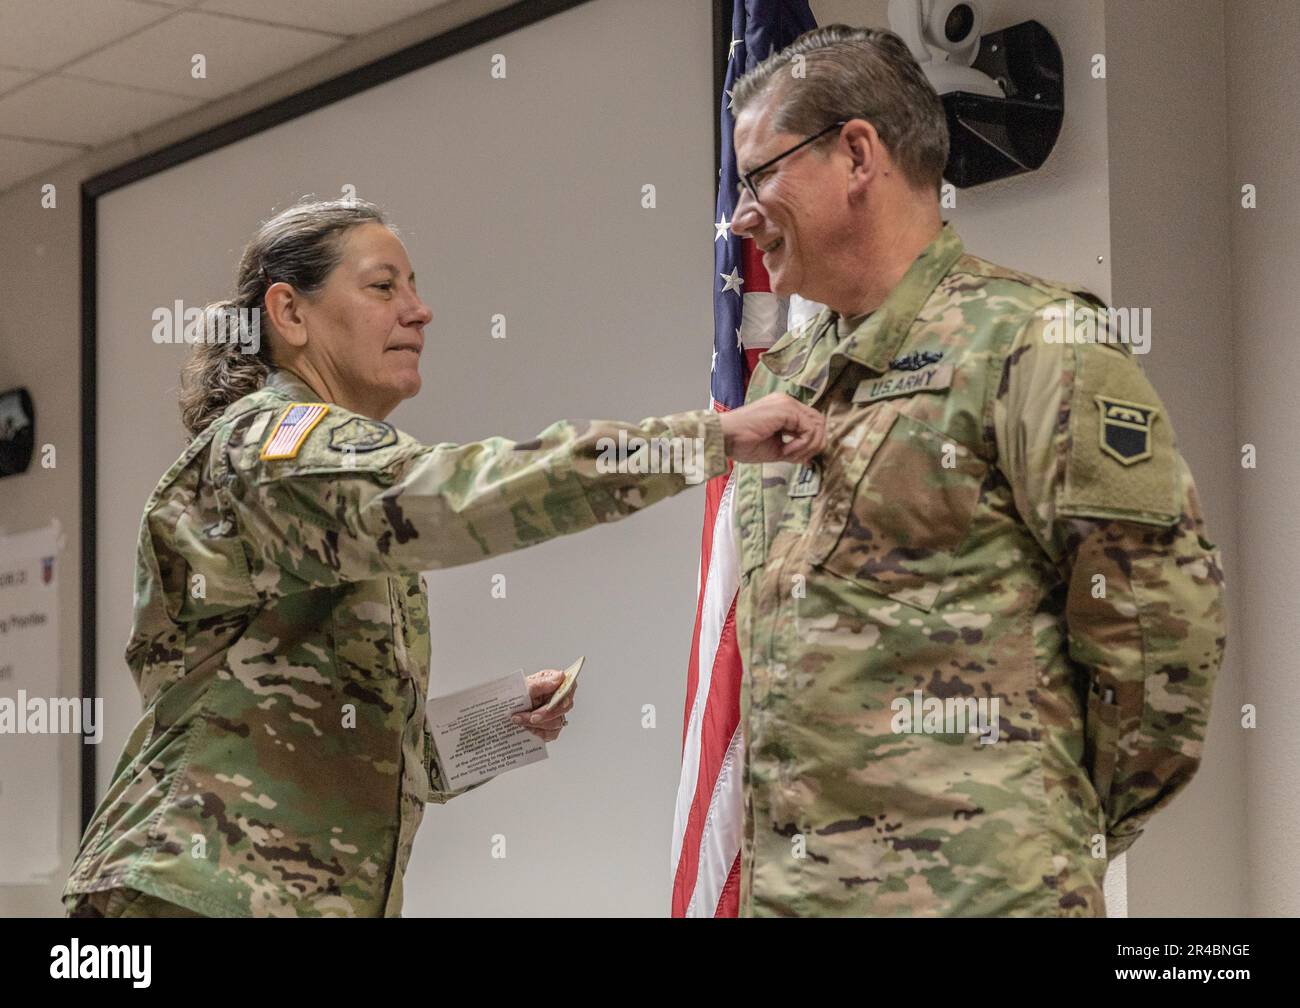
(892, 513)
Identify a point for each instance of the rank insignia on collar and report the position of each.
(807, 481)
(1126, 429)
(916, 360)
(362, 435)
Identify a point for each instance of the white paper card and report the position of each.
(474, 736)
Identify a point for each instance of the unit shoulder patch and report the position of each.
(295, 423)
(360, 434)
(1125, 429)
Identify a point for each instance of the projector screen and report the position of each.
(522, 196)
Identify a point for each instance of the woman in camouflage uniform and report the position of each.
(280, 640)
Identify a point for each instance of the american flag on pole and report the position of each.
(747, 319)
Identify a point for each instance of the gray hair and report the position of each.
(848, 73)
(300, 246)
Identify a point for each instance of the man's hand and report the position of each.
(546, 726)
(776, 428)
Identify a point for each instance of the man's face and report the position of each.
(801, 200)
(367, 320)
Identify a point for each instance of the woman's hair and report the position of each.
(299, 246)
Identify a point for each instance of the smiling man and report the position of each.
(998, 516)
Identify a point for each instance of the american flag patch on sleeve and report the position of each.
(292, 430)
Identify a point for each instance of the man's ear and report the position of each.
(284, 312)
(865, 151)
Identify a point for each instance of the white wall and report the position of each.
(1170, 205)
(1263, 134)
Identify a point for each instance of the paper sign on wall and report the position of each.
(32, 714)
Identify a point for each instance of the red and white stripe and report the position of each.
(710, 810)
(710, 800)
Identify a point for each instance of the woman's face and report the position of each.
(365, 327)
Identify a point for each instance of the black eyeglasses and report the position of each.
(747, 179)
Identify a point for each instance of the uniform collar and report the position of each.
(289, 386)
(875, 342)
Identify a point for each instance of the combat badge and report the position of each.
(1126, 429)
(916, 360)
(362, 435)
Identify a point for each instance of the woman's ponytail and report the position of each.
(222, 371)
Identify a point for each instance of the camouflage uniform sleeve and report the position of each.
(1088, 450)
(359, 500)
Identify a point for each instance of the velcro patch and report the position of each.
(296, 422)
(1112, 428)
(927, 379)
(360, 434)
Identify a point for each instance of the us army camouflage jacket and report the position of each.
(281, 643)
(980, 634)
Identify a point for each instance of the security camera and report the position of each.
(944, 36)
(1003, 92)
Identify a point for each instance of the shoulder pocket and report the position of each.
(377, 466)
(1122, 461)
(894, 516)
(340, 445)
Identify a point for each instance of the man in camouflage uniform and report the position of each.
(281, 640)
(1000, 523)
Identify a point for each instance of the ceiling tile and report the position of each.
(238, 53)
(84, 112)
(327, 15)
(21, 158)
(43, 34)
